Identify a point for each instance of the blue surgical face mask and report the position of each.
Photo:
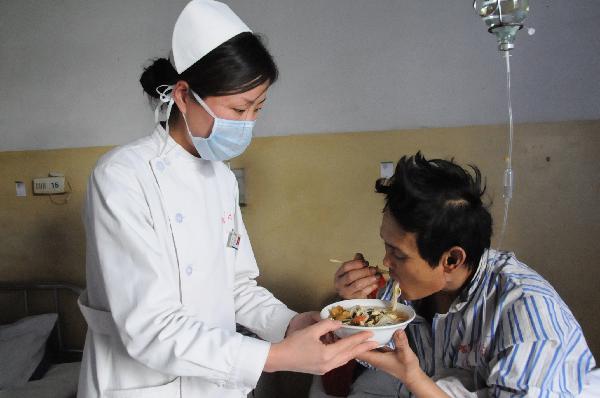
(228, 138)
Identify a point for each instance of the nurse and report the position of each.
(170, 268)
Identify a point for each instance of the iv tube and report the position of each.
(508, 173)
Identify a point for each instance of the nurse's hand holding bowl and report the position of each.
(169, 266)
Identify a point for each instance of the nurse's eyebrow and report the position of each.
(251, 101)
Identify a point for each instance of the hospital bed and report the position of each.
(45, 316)
(41, 340)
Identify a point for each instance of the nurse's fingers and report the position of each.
(316, 316)
(356, 351)
(348, 343)
(323, 327)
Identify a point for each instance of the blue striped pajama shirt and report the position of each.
(508, 334)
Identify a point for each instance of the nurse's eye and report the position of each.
(239, 111)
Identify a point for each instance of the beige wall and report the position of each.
(42, 240)
(311, 198)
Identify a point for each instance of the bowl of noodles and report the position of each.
(373, 315)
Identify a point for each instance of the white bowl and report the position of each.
(381, 334)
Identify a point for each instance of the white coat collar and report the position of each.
(172, 150)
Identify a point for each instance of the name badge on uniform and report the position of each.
(234, 240)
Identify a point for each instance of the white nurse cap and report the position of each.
(202, 26)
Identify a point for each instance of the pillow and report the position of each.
(22, 346)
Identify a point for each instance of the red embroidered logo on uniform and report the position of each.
(464, 348)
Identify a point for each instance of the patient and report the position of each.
(488, 325)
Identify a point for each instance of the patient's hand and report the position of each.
(401, 363)
(355, 279)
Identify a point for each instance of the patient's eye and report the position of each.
(399, 257)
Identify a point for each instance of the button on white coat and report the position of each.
(189, 269)
(179, 218)
(160, 166)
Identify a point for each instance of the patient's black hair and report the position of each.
(441, 203)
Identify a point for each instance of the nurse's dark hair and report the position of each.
(441, 203)
(236, 66)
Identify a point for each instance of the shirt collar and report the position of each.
(172, 150)
(474, 284)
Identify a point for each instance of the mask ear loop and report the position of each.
(164, 92)
(187, 126)
(203, 104)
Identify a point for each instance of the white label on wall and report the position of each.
(48, 185)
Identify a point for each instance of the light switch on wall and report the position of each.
(21, 189)
(386, 169)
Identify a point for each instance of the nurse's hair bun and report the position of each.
(158, 73)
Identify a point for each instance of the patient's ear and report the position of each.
(453, 258)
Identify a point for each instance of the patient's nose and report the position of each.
(386, 261)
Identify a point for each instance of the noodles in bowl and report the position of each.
(369, 314)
